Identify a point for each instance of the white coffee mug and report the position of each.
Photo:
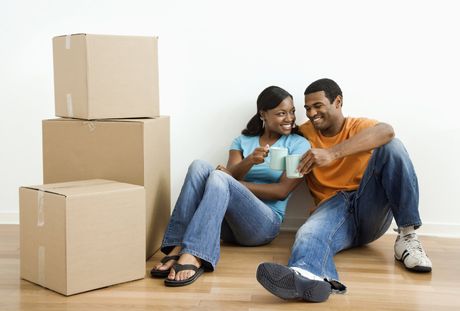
(292, 162)
(278, 158)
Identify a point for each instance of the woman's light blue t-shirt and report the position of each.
(262, 173)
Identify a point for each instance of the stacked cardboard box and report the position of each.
(134, 151)
(101, 77)
(106, 91)
(79, 236)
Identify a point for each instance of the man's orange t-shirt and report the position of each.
(343, 174)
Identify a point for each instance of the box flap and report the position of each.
(82, 187)
(72, 34)
(138, 120)
(89, 34)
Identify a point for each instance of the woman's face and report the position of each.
(280, 119)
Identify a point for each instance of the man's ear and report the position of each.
(338, 101)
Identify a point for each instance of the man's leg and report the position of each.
(389, 188)
(327, 231)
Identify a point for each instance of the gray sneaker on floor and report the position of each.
(285, 283)
(410, 252)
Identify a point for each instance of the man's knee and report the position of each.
(394, 147)
(310, 231)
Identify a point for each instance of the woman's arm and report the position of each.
(239, 166)
(275, 191)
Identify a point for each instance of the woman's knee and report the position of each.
(218, 181)
(199, 167)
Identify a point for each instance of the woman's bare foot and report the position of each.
(167, 265)
(185, 259)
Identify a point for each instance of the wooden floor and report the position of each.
(375, 282)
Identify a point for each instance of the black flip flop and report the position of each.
(178, 267)
(156, 273)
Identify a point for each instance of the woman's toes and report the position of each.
(159, 267)
(165, 266)
(183, 275)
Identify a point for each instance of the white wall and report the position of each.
(396, 61)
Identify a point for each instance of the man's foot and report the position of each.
(410, 252)
(285, 283)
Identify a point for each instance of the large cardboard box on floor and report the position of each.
(79, 236)
(101, 76)
(134, 151)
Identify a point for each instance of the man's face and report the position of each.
(323, 114)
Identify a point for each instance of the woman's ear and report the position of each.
(262, 115)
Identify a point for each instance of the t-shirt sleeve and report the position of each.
(360, 124)
(236, 144)
(299, 145)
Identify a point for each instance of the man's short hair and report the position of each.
(330, 88)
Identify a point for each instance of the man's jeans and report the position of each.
(211, 205)
(389, 188)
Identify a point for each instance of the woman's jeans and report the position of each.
(213, 205)
(389, 188)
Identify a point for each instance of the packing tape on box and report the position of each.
(41, 265)
(40, 208)
(67, 42)
(69, 105)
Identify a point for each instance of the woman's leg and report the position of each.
(225, 197)
(250, 221)
(186, 205)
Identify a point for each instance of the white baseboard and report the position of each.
(293, 223)
(432, 229)
(9, 218)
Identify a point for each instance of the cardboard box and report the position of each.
(84, 235)
(99, 76)
(134, 151)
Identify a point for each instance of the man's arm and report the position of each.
(365, 140)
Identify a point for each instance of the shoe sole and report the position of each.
(416, 268)
(155, 273)
(284, 283)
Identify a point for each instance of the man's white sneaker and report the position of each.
(410, 252)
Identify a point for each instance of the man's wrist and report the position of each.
(335, 154)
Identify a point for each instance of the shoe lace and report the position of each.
(413, 244)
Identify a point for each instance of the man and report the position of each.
(360, 178)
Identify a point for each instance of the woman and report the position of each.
(242, 203)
